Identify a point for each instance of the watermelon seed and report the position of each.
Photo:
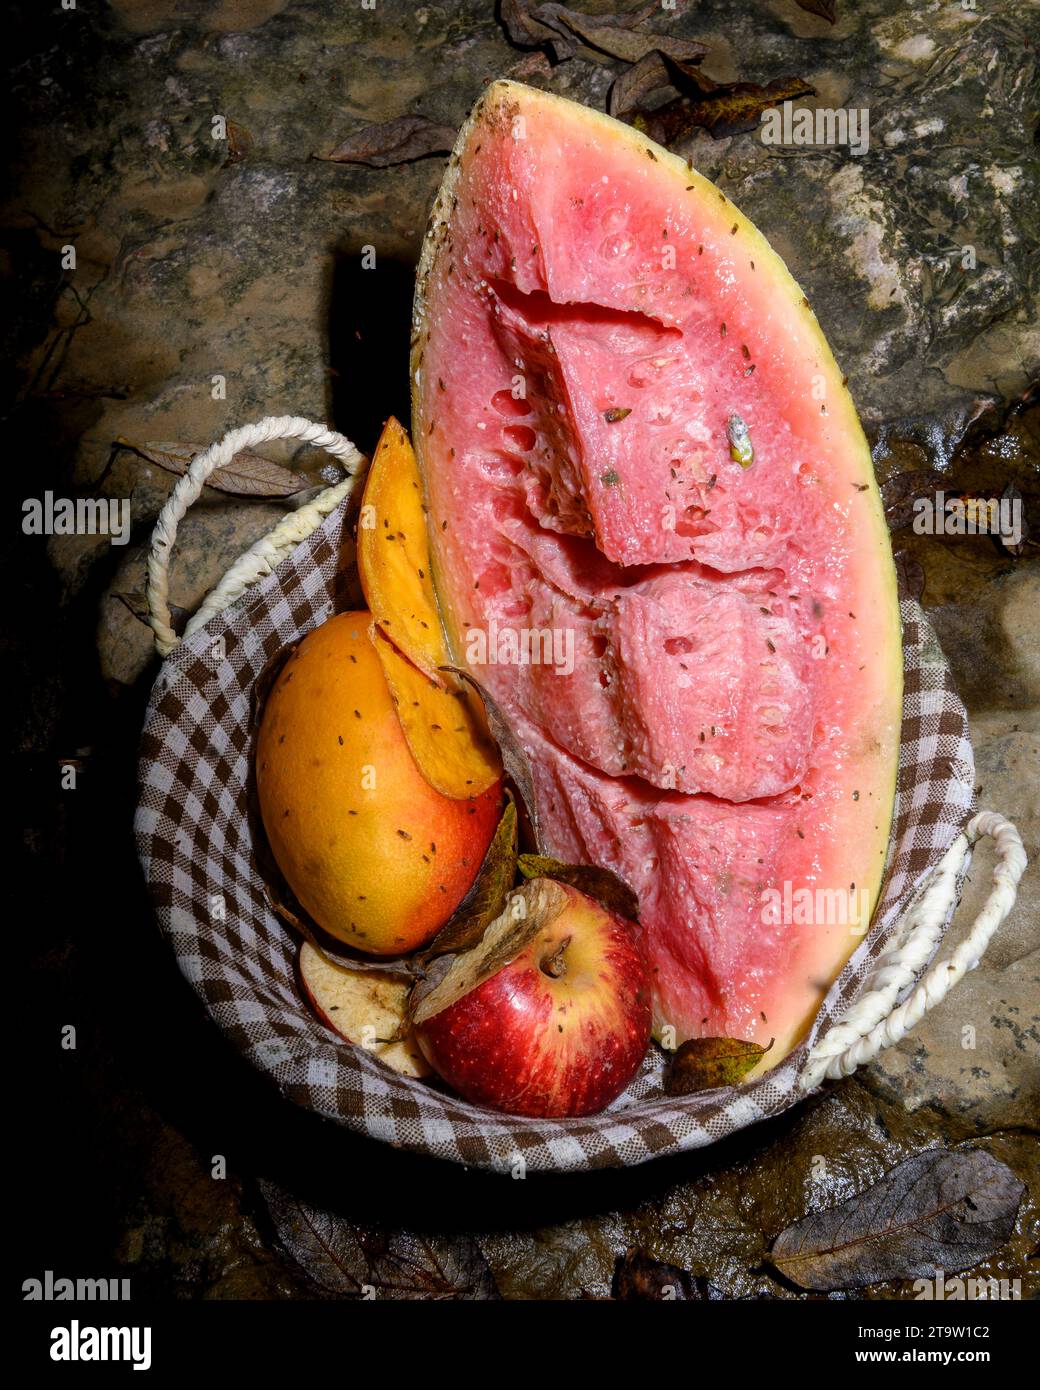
(616, 413)
(722, 330)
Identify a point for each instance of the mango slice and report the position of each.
(394, 554)
(444, 727)
(442, 718)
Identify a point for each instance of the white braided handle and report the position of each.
(876, 1021)
(260, 559)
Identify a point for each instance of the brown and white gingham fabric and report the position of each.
(195, 837)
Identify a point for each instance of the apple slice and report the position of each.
(365, 1007)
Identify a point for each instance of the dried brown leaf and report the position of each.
(939, 1210)
(527, 911)
(722, 109)
(137, 603)
(826, 9)
(247, 475)
(602, 884)
(909, 576)
(239, 143)
(526, 32)
(283, 905)
(1013, 497)
(619, 36)
(639, 1277)
(901, 491)
(701, 1064)
(346, 1260)
(399, 141)
(632, 88)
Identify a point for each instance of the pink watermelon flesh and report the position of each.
(591, 315)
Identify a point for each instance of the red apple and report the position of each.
(549, 1015)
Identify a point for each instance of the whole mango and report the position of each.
(376, 855)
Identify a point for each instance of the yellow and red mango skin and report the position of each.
(639, 311)
(376, 856)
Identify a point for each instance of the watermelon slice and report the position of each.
(658, 543)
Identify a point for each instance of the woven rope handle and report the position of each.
(260, 559)
(877, 1020)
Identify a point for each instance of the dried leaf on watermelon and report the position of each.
(941, 1209)
(387, 143)
(602, 884)
(701, 1064)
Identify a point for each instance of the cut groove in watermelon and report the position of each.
(632, 433)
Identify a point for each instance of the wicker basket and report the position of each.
(197, 839)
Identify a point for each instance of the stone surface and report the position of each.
(211, 290)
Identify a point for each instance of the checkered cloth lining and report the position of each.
(196, 845)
